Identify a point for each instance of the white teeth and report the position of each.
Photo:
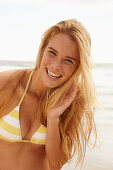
(52, 74)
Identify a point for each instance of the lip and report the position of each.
(57, 74)
(56, 78)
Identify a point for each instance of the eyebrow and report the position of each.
(66, 56)
(53, 49)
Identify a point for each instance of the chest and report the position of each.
(22, 124)
(29, 117)
(22, 121)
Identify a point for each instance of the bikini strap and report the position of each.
(26, 88)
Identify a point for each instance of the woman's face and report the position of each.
(59, 61)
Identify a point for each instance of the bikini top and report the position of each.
(10, 125)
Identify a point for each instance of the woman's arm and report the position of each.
(53, 143)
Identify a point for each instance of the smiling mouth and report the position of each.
(53, 75)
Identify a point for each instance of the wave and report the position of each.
(32, 63)
(17, 63)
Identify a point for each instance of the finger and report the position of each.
(68, 100)
(72, 92)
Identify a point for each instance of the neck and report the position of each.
(37, 88)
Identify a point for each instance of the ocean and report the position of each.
(101, 157)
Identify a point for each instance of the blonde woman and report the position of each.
(47, 113)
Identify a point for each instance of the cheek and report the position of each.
(69, 70)
(45, 60)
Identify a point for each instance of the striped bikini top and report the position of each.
(10, 125)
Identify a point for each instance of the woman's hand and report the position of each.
(70, 96)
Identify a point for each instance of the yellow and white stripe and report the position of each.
(10, 129)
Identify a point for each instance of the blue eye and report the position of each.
(69, 61)
(52, 52)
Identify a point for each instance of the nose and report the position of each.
(56, 65)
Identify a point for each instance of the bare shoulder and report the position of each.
(24, 80)
(7, 73)
(5, 76)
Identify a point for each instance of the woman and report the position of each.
(49, 110)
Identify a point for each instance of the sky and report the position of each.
(22, 23)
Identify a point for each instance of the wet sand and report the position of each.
(101, 157)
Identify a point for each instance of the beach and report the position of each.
(101, 157)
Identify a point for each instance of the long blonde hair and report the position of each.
(77, 122)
